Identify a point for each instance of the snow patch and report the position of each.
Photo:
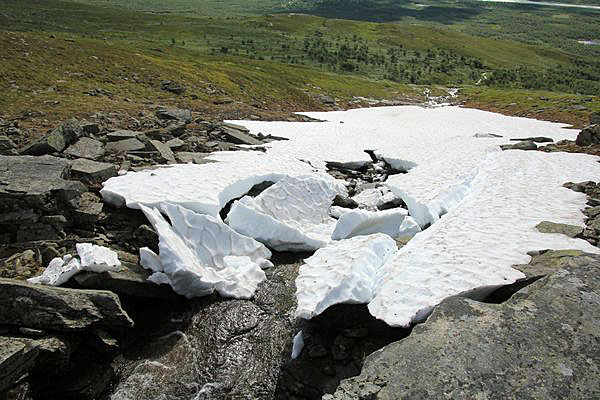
(362, 222)
(297, 345)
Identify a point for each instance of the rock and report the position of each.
(547, 263)
(175, 143)
(224, 100)
(589, 136)
(487, 135)
(60, 309)
(22, 266)
(174, 114)
(527, 145)
(221, 349)
(592, 212)
(41, 231)
(86, 148)
(551, 227)
(130, 280)
(234, 134)
(92, 172)
(326, 99)
(192, 158)
(121, 135)
(345, 202)
(523, 348)
(16, 359)
(124, 146)
(145, 236)
(164, 151)
(594, 118)
(536, 139)
(172, 87)
(7, 146)
(56, 141)
(90, 127)
(88, 211)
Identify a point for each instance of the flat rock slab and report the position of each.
(130, 280)
(164, 150)
(16, 359)
(61, 309)
(124, 146)
(36, 179)
(86, 148)
(571, 231)
(174, 114)
(526, 145)
(540, 344)
(92, 171)
(121, 135)
(536, 139)
(187, 157)
(235, 134)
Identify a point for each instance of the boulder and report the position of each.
(124, 146)
(551, 227)
(175, 143)
(92, 172)
(55, 141)
(238, 135)
(594, 118)
(7, 146)
(165, 151)
(326, 99)
(86, 148)
(121, 135)
(526, 145)
(172, 87)
(88, 211)
(60, 309)
(541, 343)
(589, 136)
(16, 359)
(174, 114)
(131, 280)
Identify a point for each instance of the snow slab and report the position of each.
(363, 222)
(204, 188)
(436, 145)
(372, 198)
(291, 215)
(91, 258)
(471, 249)
(345, 271)
(200, 254)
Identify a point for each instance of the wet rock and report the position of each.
(124, 146)
(221, 349)
(535, 139)
(86, 148)
(61, 309)
(165, 152)
(174, 114)
(92, 172)
(551, 227)
(523, 348)
(172, 87)
(130, 280)
(7, 146)
(16, 359)
(22, 266)
(55, 141)
(526, 145)
(589, 136)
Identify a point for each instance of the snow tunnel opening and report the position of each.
(253, 192)
(336, 344)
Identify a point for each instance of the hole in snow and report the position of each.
(336, 344)
(253, 192)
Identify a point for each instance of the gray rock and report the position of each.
(175, 143)
(7, 146)
(16, 359)
(542, 343)
(571, 231)
(527, 145)
(55, 141)
(594, 118)
(86, 148)
(92, 172)
(90, 127)
(536, 139)
(130, 280)
(88, 211)
(60, 309)
(187, 157)
(124, 146)
(589, 136)
(165, 151)
(238, 135)
(121, 135)
(172, 87)
(326, 99)
(486, 135)
(547, 263)
(174, 114)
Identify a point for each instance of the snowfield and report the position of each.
(480, 207)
